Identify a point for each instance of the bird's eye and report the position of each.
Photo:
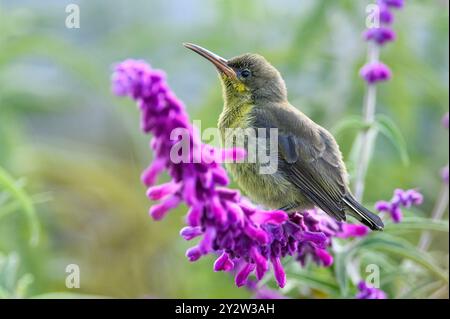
(245, 73)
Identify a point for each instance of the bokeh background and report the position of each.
(75, 152)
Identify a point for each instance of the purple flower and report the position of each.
(444, 174)
(247, 240)
(374, 72)
(385, 15)
(380, 35)
(367, 292)
(398, 4)
(316, 220)
(401, 199)
(352, 230)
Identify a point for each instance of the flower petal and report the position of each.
(242, 276)
(223, 263)
(280, 275)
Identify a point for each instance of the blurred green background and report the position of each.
(77, 151)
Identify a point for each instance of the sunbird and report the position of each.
(311, 171)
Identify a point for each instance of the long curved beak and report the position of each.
(220, 63)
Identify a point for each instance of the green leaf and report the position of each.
(384, 261)
(340, 269)
(350, 122)
(313, 280)
(422, 289)
(401, 248)
(8, 183)
(9, 208)
(390, 130)
(418, 223)
(9, 266)
(22, 285)
(11, 284)
(394, 276)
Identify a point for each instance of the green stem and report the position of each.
(366, 139)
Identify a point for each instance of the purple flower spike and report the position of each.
(401, 199)
(380, 35)
(228, 224)
(374, 72)
(367, 292)
(407, 198)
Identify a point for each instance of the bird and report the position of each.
(310, 171)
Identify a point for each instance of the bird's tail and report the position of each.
(363, 214)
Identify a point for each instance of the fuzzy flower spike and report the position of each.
(380, 34)
(401, 199)
(246, 239)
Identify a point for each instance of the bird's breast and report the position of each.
(235, 116)
(272, 189)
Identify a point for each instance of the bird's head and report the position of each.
(247, 77)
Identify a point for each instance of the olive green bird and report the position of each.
(310, 170)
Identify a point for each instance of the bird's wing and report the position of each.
(309, 157)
